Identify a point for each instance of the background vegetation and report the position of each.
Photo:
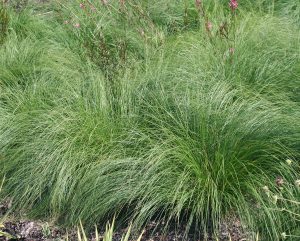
(184, 111)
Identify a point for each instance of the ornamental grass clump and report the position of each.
(210, 159)
(182, 113)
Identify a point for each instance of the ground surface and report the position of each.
(25, 229)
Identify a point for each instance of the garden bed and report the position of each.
(169, 115)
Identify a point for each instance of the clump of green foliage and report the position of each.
(161, 110)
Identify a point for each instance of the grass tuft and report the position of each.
(164, 111)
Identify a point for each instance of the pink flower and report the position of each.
(208, 26)
(76, 25)
(233, 4)
(122, 2)
(81, 5)
(231, 50)
(105, 2)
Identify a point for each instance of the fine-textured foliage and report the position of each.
(176, 111)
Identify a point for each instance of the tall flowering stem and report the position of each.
(208, 24)
(233, 4)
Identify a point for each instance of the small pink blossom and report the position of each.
(104, 2)
(122, 2)
(208, 26)
(231, 50)
(233, 4)
(76, 25)
(81, 5)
